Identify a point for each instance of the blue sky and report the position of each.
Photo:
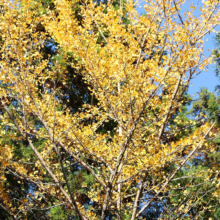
(205, 79)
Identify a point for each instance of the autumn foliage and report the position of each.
(127, 134)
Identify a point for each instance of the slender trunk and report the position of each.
(119, 217)
(106, 201)
(138, 197)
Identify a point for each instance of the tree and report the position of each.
(205, 108)
(201, 189)
(125, 141)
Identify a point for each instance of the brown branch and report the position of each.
(138, 196)
(43, 162)
(5, 209)
(170, 107)
(178, 168)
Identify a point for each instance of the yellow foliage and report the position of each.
(126, 74)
